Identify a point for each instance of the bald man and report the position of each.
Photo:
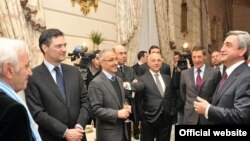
(158, 101)
(128, 75)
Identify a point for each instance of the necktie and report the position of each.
(158, 83)
(113, 78)
(198, 80)
(60, 82)
(121, 68)
(222, 81)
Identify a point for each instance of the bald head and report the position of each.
(121, 54)
(155, 62)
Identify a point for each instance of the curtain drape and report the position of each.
(165, 25)
(128, 26)
(24, 20)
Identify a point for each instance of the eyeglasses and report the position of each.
(110, 60)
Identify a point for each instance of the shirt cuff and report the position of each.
(127, 86)
(206, 112)
(78, 126)
(65, 132)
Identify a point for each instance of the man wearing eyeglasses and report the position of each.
(106, 97)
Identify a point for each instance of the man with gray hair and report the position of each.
(230, 103)
(16, 122)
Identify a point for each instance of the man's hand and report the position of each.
(74, 134)
(124, 113)
(200, 105)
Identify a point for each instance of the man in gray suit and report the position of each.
(56, 93)
(231, 104)
(158, 102)
(107, 95)
(200, 80)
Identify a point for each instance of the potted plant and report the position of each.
(96, 38)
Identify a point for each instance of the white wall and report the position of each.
(77, 27)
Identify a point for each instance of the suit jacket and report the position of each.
(127, 76)
(136, 68)
(14, 120)
(231, 104)
(48, 107)
(189, 92)
(165, 69)
(105, 104)
(176, 78)
(153, 104)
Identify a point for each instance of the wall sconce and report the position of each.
(85, 5)
(185, 46)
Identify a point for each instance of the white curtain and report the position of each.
(148, 31)
(23, 19)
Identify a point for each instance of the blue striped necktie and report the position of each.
(60, 82)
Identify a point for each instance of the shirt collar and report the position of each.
(108, 75)
(153, 73)
(233, 67)
(50, 66)
(202, 68)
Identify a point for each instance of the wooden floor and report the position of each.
(91, 136)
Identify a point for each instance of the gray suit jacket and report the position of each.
(105, 104)
(189, 92)
(153, 104)
(48, 108)
(231, 104)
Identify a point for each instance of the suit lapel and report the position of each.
(49, 81)
(67, 82)
(229, 81)
(109, 86)
(152, 81)
(205, 75)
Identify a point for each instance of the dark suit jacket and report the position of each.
(105, 104)
(14, 120)
(165, 69)
(127, 76)
(136, 68)
(153, 104)
(48, 108)
(231, 104)
(189, 92)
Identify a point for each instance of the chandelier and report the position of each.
(85, 5)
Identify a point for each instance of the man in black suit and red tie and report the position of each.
(230, 103)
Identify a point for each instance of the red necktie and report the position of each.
(198, 80)
(222, 81)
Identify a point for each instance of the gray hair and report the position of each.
(9, 52)
(243, 39)
(102, 54)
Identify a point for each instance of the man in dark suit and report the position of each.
(158, 103)
(16, 122)
(200, 80)
(128, 75)
(216, 62)
(142, 57)
(56, 94)
(165, 69)
(107, 95)
(231, 104)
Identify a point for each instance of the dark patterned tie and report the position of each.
(158, 84)
(222, 81)
(113, 78)
(60, 82)
(198, 80)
